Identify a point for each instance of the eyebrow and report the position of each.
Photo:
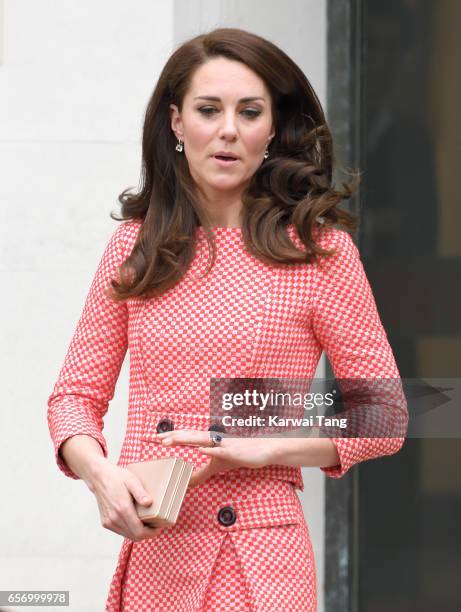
(217, 99)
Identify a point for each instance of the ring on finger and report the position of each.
(216, 439)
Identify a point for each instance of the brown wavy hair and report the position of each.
(294, 186)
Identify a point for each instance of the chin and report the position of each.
(224, 185)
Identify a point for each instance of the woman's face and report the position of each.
(227, 108)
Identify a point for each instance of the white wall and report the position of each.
(75, 77)
(74, 81)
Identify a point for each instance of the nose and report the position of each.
(228, 127)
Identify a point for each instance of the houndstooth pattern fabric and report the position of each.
(265, 558)
(245, 319)
(227, 589)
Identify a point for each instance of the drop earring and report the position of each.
(266, 152)
(179, 146)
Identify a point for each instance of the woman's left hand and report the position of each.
(230, 454)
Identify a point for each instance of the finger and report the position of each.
(119, 522)
(195, 480)
(164, 434)
(127, 516)
(186, 437)
(135, 487)
(119, 531)
(141, 532)
(193, 436)
(201, 474)
(213, 451)
(151, 532)
(112, 518)
(133, 524)
(136, 528)
(145, 533)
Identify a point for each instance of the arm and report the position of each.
(304, 452)
(346, 323)
(93, 361)
(82, 454)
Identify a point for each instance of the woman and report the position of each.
(237, 157)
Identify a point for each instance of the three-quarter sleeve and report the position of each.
(87, 379)
(347, 325)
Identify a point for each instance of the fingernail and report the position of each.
(145, 500)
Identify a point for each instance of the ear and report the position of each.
(272, 134)
(176, 121)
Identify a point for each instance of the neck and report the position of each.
(222, 208)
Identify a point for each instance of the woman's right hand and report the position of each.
(114, 488)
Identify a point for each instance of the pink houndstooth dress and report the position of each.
(241, 541)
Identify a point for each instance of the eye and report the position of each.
(250, 113)
(207, 110)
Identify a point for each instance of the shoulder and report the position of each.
(345, 261)
(330, 238)
(124, 236)
(334, 239)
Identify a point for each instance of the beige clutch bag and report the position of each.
(166, 480)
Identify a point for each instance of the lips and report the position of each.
(225, 160)
(225, 156)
